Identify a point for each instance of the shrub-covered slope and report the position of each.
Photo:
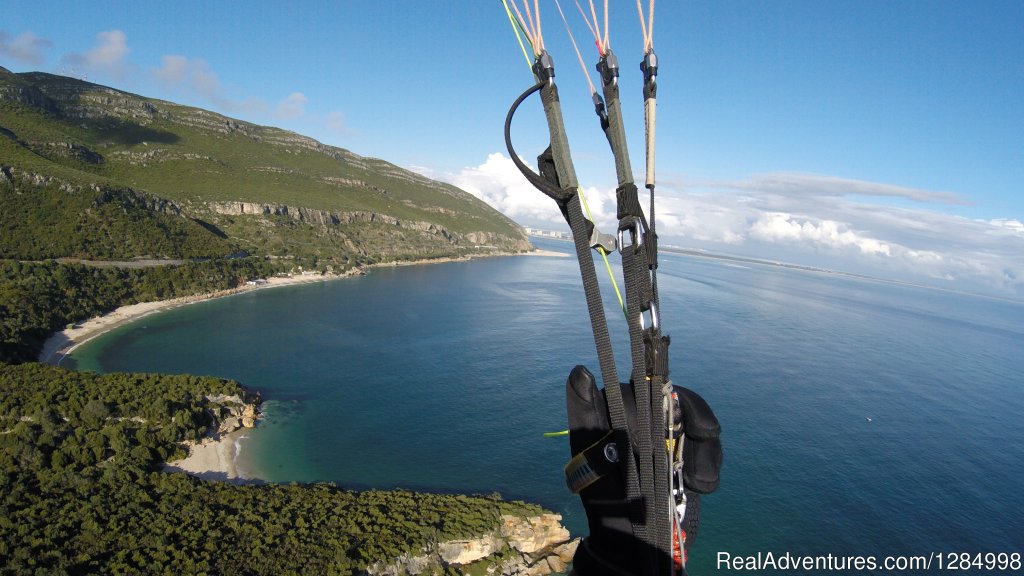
(81, 493)
(233, 183)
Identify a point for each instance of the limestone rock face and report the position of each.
(234, 412)
(530, 535)
(467, 551)
(325, 218)
(491, 239)
(418, 564)
(533, 546)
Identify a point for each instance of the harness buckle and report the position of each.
(605, 242)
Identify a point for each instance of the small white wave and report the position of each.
(238, 446)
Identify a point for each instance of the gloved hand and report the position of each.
(600, 477)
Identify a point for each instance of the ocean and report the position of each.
(859, 417)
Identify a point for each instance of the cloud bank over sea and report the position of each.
(875, 228)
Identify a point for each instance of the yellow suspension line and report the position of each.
(515, 28)
(604, 255)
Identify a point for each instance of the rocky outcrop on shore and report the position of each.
(230, 413)
(530, 546)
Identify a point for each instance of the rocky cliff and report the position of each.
(336, 237)
(324, 218)
(229, 413)
(531, 546)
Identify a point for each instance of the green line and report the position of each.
(604, 255)
(517, 27)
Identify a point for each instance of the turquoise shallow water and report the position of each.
(444, 378)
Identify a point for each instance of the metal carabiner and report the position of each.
(652, 308)
(636, 234)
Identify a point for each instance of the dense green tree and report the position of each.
(82, 495)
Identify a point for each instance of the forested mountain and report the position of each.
(95, 172)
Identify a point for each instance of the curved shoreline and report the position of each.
(62, 343)
(214, 458)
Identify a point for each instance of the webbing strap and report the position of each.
(567, 197)
(646, 473)
(640, 300)
(595, 306)
(605, 356)
(656, 344)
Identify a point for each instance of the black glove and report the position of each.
(600, 478)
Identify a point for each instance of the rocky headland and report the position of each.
(530, 546)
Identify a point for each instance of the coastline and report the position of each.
(215, 457)
(62, 343)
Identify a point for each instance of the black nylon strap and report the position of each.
(602, 341)
(656, 347)
(653, 464)
(578, 223)
(653, 502)
(627, 201)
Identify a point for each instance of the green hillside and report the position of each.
(212, 181)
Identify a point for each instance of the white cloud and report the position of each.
(190, 78)
(174, 71)
(782, 227)
(809, 219)
(1014, 226)
(500, 184)
(195, 77)
(803, 185)
(26, 47)
(179, 72)
(851, 233)
(293, 106)
(703, 218)
(336, 123)
(109, 57)
(110, 51)
(908, 244)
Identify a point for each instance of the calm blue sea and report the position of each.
(859, 417)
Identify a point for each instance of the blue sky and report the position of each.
(871, 136)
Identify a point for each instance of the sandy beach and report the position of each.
(62, 343)
(215, 458)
